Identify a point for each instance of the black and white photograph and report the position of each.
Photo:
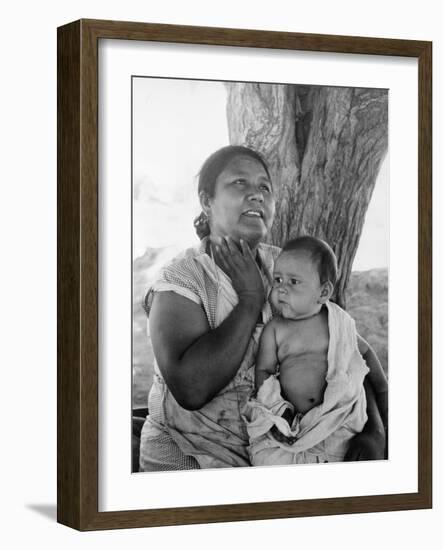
(260, 257)
(214, 207)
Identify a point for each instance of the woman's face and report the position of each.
(243, 204)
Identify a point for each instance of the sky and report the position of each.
(177, 124)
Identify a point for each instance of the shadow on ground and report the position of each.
(47, 510)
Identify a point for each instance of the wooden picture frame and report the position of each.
(77, 431)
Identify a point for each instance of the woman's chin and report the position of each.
(253, 238)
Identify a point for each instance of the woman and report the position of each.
(206, 313)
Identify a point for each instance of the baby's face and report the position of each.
(296, 290)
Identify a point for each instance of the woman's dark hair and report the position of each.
(212, 168)
(321, 255)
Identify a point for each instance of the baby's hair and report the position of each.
(321, 255)
(212, 168)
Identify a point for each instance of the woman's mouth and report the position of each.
(254, 213)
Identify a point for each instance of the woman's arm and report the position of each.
(195, 361)
(370, 444)
(377, 377)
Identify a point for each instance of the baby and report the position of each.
(310, 366)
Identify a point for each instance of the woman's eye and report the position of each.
(265, 188)
(240, 182)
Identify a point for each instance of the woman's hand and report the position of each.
(240, 265)
(365, 447)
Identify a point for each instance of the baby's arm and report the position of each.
(267, 359)
(266, 365)
(377, 378)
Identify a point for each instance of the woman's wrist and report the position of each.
(252, 301)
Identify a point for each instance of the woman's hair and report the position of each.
(321, 254)
(212, 168)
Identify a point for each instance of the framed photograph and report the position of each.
(244, 275)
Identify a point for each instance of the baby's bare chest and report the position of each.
(303, 358)
(303, 337)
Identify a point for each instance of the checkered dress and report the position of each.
(215, 436)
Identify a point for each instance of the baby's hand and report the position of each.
(288, 415)
(278, 436)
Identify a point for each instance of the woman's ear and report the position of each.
(205, 202)
(326, 291)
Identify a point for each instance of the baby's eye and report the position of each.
(295, 282)
(277, 280)
(240, 181)
(265, 187)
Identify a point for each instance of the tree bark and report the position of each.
(324, 147)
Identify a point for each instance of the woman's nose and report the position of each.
(255, 194)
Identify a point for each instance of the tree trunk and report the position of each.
(324, 146)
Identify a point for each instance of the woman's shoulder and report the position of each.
(187, 269)
(185, 259)
(182, 275)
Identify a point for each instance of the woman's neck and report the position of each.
(215, 239)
